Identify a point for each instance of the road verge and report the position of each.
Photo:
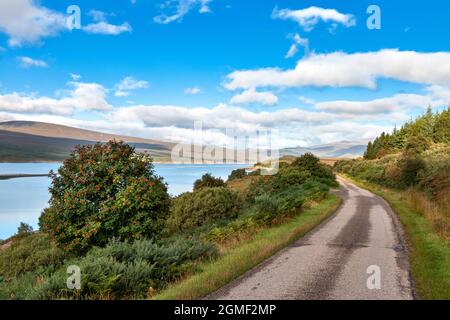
(429, 255)
(240, 259)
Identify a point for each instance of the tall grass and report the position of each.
(436, 212)
(240, 259)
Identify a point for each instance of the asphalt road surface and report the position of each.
(358, 253)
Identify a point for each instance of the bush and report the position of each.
(410, 170)
(193, 209)
(24, 229)
(126, 269)
(266, 207)
(208, 181)
(237, 174)
(104, 191)
(417, 144)
(311, 164)
(288, 177)
(30, 253)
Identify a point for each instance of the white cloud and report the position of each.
(193, 90)
(253, 96)
(306, 100)
(181, 8)
(106, 28)
(298, 41)
(339, 69)
(437, 96)
(82, 97)
(221, 116)
(309, 17)
(27, 62)
(102, 26)
(26, 22)
(292, 51)
(75, 76)
(127, 84)
(295, 126)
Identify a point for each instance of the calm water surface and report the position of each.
(23, 199)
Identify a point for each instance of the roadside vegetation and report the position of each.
(111, 215)
(410, 168)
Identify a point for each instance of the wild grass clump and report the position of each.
(120, 270)
(28, 253)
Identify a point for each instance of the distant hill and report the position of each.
(344, 149)
(27, 141)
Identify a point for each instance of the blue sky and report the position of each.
(153, 67)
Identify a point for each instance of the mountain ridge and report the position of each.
(31, 141)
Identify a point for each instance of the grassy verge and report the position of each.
(429, 254)
(236, 261)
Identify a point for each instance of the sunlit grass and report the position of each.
(238, 260)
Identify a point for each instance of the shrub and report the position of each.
(288, 177)
(237, 174)
(266, 207)
(24, 229)
(29, 253)
(127, 269)
(410, 169)
(196, 208)
(104, 191)
(417, 144)
(310, 163)
(208, 181)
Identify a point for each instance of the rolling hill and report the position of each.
(28, 141)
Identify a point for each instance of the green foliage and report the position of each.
(24, 229)
(289, 176)
(410, 170)
(122, 269)
(416, 144)
(416, 136)
(104, 191)
(429, 171)
(29, 253)
(237, 174)
(208, 181)
(311, 165)
(267, 207)
(193, 209)
(441, 130)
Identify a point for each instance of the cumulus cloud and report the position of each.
(181, 8)
(309, 17)
(437, 96)
(82, 97)
(27, 62)
(26, 22)
(102, 26)
(128, 84)
(339, 69)
(193, 90)
(253, 96)
(221, 116)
